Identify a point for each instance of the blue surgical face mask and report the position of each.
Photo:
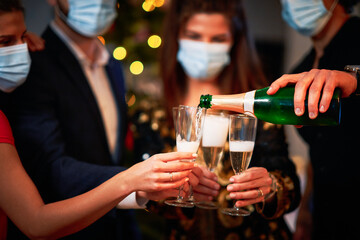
(90, 18)
(308, 17)
(201, 60)
(14, 66)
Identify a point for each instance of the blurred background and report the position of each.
(135, 40)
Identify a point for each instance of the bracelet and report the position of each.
(274, 187)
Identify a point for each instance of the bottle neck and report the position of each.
(243, 102)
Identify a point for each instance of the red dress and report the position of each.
(5, 137)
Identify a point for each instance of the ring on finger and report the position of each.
(260, 192)
(171, 177)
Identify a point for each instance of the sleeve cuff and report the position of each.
(132, 202)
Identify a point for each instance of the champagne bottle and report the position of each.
(277, 108)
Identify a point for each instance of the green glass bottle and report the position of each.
(277, 108)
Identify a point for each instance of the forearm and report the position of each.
(65, 217)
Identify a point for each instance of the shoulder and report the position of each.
(5, 130)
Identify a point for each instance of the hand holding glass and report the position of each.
(188, 122)
(242, 133)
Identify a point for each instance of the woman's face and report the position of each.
(209, 28)
(12, 28)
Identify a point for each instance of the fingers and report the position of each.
(174, 166)
(172, 176)
(250, 194)
(195, 176)
(250, 174)
(171, 185)
(243, 203)
(193, 179)
(283, 81)
(175, 156)
(301, 89)
(327, 93)
(315, 92)
(206, 191)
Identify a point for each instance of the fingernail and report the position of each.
(322, 108)
(186, 179)
(232, 180)
(196, 165)
(269, 90)
(194, 155)
(215, 178)
(312, 115)
(298, 111)
(230, 188)
(232, 195)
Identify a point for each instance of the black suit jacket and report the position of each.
(60, 134)
(333, 150)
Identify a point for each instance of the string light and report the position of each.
(119, 53)
(150, 5)
(136, 67)
(154, 41)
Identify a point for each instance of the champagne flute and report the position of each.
(188, 123)
(215, 133)
(242, 132)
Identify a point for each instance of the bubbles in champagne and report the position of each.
(185, 146)
(240, 154)
(215, 131)
(241, 146)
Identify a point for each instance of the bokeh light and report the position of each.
(158, 3)
(119, 53)
(102, 39)
(148, 6)
(154, 41)
(136, 67)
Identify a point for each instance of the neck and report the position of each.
(322, 39)
(86, 44)
(197, 88)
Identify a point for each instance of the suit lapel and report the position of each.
(115, 75)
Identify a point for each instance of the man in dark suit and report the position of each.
(69, 117)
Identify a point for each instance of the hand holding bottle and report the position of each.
(315, 82)
(250, 187)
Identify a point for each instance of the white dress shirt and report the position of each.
(99, 83)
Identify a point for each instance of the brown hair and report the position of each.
(244, 73)
(11, 5)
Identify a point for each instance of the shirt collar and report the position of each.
(101, 56)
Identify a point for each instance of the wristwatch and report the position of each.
(355, 69)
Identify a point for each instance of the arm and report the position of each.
(26, 209)
(316, 81)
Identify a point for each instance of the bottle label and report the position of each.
(249, 101)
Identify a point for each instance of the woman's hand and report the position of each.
(207, 187)
(250, 187)
(158, 177)
(318, 82)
